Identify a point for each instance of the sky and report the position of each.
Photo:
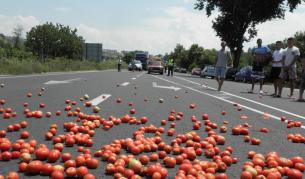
(151, 25)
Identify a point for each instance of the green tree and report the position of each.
(17, 36)
(299, 39)
(49, 40)
(128, 57)
(180, 55)
(237, 19)
(195, 54)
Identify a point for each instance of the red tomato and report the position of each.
(294, 174)
(57, 175)
(47, 169)
(12, 175)
(170, 162)
(246, 175)
(92, 163)
(34, 167)
(221, 176)
(89, 176)
(71, 172)
(82, 171)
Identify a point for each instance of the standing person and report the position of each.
(277, 67)
(222, 58)
(165, 66)
(170, 67)
(289, 69)
(260, 54)
(119, 64)
(302, 86)
(133, 65)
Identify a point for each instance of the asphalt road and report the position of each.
(136, 87)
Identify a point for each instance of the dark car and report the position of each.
(155, 67)
(183, 70)
(244, 74)
(177, 70)
(196, 71)
(230, 73)
(208, 71)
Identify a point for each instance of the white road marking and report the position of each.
(225, 100)
(165, 87)
(125, 84)
(138, 76)
(96, 101)
(53, 82)
(249, 100)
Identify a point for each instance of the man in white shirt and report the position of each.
(276, 67)
(289, 69)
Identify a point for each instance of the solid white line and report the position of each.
(249, 100)
(125, 84)
(96, 101)
(52, 82)
(52, 74)
(225, 100)
(133, 78)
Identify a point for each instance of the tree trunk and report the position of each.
(236, 58)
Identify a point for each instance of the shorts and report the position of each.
(258, 75)
(291, 74)
(275, 73)
(303, 81)
(220, 72)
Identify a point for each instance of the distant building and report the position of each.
(93, 51)
(111, 54)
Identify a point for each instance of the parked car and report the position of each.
(230, 73)
(177, 70)
(196, 71)
(183, 70)
(208, 71)
(155, 67)
(136, 66)
(244, 74)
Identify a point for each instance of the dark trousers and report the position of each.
(170, 71)
(119, 67)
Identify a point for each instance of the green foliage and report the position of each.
(49, 40)
(237, 19)
(128, 57)
(16, 66)
(195, 56)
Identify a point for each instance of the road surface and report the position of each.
(178, 93)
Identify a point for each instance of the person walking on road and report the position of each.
(119, 64)
(302, 86)
(260, 54)
(289, 66)
(222, 58)
(165, 67)
(170, 67)
(276, 67)
(133, 65)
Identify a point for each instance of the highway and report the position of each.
(145, 92)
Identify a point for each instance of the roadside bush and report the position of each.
(16, 66)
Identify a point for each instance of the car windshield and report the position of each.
(137, 62)
(157, 63)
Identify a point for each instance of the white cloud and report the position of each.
(280, 29)
(157, 34)
(8, 23)
(62, 9)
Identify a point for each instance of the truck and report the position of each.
(142, 56)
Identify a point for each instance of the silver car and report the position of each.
(136, 65)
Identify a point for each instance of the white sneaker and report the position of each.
(261, 92)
